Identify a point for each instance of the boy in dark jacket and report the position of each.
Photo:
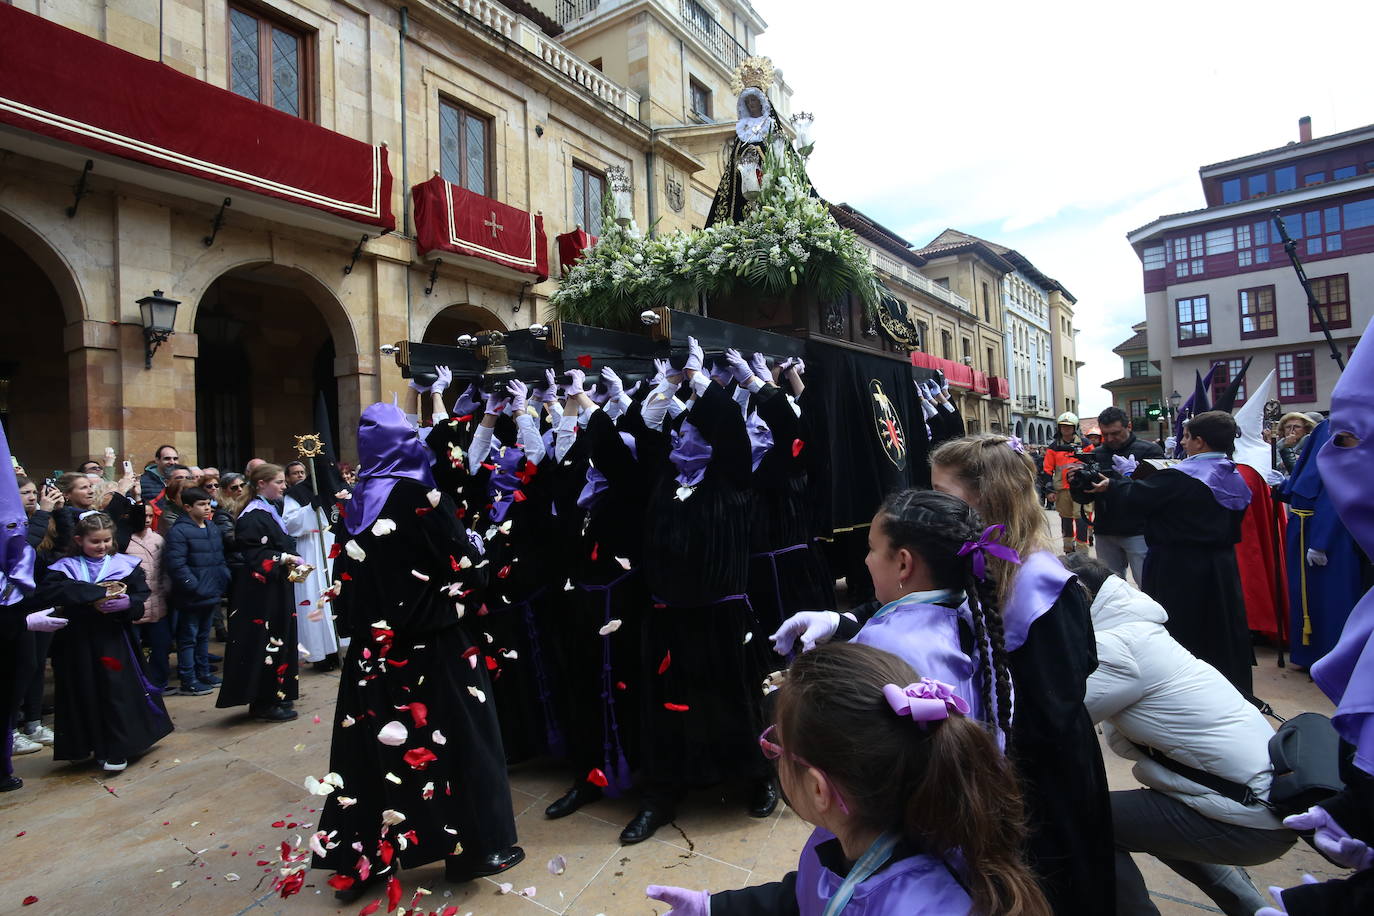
(199, 575)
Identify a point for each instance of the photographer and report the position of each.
(1118, 534)
(1064, 452)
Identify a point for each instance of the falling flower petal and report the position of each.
(346, 721)
(797, 446)
(393, 893)
(438, 737)
(317, 787)
(344, 801)
(585, 360)
(427, 791)
(434, 496)
(391, 817)
(609, 628)
(371, 908)
(481, 697)
(624, 563)
(557, 865)
(420, 757)
(355, 551)
(340, 882)
(392, 734)
(748, 636)
(667, 660)
(598, 778)
(335, 550)
(419, 575)
(113, 664)
(392, 777)
(676, 707)
(382, 527)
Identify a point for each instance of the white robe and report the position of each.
(309, 526)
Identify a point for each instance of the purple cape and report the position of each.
(16, 556)
(258, 504)
(389, 449)
(926, 636)
(84, 569)
(919, 884)
(690, 455)
(1221, 477)
(1037, 586)
(1346, 673)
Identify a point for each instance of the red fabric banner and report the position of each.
(980, 382)
(454, 219)
(1000, 387)
(1263, 577)
(64, 85)
(571, 246)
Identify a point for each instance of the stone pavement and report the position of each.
(184, 828)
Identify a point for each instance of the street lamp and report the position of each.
(159, 316)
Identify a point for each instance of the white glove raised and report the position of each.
(811, 626)
(1316, 557)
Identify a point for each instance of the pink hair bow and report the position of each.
(928, 700)
(987, 544)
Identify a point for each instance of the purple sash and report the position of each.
(84, 569)
(504, 480)
(259, 504)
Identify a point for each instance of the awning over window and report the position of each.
(572, 245)
(63, 85)
(455, 220)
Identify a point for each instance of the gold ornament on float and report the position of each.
(753, 71)
(311, 445)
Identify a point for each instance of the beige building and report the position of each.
(144, 170)
(1064, 350)
(1137, 391)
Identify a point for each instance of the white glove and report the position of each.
(1170, 444)
(44, 621)
(811, 626)
(695, 357)
(443, 381)
(1316, 557)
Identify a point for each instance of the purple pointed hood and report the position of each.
(1346, 673)
(389, 449)
(16, 556)
(690, 455)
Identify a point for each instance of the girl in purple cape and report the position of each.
(104, 705)
(1048, 635)
(923, 812)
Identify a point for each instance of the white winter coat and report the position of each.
(1149, 689)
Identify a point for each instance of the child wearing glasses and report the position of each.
(918, 812)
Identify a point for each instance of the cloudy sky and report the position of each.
(1056, 128)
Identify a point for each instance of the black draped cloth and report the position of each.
(262, 655)
(102, 705)
(1056, 752)
(1191, 568)
(422, 680)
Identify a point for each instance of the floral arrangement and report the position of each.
(786, 240)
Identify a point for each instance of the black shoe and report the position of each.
(456, 871)
(354, 892)
(644, 825)
(329, 663)
(273, 713)
(10, 783)
(763, 800)
(584, 793)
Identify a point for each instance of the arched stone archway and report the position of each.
(272, 340)
(454, 320)
(43, 388)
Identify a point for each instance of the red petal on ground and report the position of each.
(279, 824)
(30, 900)
(598, 779)
(676, 707)
(112, 664)
(371, 908)
(667, 660)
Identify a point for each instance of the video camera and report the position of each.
(1090, 474)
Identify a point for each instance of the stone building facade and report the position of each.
(285, 298)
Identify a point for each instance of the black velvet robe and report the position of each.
(1056, 752)
(702, 713)
(787, 571)
(102, 706)
(1191, 568)
(262, 655)
(408, 648)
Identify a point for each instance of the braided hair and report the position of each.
(935, 526)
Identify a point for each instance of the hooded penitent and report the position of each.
(389, 449)
(1346, 675)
